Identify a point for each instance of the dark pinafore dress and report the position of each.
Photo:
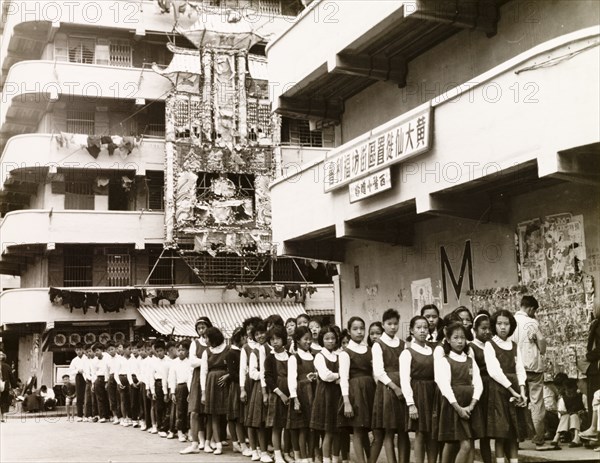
(305, 391)
(480, 432)
(256, 412)
(235, 408)
(216, 396)
(450, 426)
(195, 397)
(277, 411)
(361, 391)
(388, 411)
(424, 391)
(327, 398)
(248, 383)
(505, 420)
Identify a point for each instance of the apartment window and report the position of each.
(156, 186)
(78, 266)
(187, 113)
(118, 267)
(296, 132)
(164, 272)
(82, 50)
(83, 122)
(79, 195)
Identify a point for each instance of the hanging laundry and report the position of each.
(127, 145)
(55, 296)
(78, 301)
(93, 145)
(66, 298)
(148, 295)
(113, 301)
(169, 294)
(132, 296)
(91, 301)
(105, 140)
(60, 140)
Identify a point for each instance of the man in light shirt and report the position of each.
(122, 380)
(532, 345)
(99, 379)
(112, 361)
(77, 370)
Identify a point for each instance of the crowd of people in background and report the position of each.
(299, 391)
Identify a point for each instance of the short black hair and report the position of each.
(185, 343)
(389, 314)
(330, 329)
(237, 336)
(170, 344)
(529, 302)
(110, 344)
(570, 383)
(279, 332)
(65, 376)
(251, 321)
(140, 344)
(274, 319)
(355, 319)
(214, 336)
(503, 313)
(300, 332)
(79, 345)
(159, 344)
(451, 328)
(430, 307)
(98, 345)
(260, 327)
(302, 315)
(290, 320)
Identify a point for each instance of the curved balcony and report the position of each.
(28, 228)
(32, 305)
(32, 87)
(42, 151)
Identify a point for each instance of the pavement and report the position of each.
(49, 437)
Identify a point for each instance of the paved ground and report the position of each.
(27, 438)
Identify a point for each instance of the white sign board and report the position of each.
(393, 142)
(370, 185)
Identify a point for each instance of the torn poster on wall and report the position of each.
(550, 247)
(422, 294)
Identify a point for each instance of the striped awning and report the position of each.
(180, 319)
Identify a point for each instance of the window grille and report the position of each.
(164, 273)
(155, 129)
(156, 184)
(120, 53)
(296, 132)
(267, 7)
(118, 269)
(83, 122)
(78, 266)
(226, 269)
(82, 50)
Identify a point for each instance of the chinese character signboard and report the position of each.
(393, 142)
(370, 185)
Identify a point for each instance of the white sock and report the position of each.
(297, 455)
(278, 455)
(499, 460)
(326, 460)
(335, 459)
(514, 460)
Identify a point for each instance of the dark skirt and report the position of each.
(325, 407)
(5, 398)
(195, 397)
(450, 426)
(306, 394)
(277, 412)
(235, 407)
(361, 395)
(505, 420)
(479, 422)
(256, 412)
(388, 411)
(427, 399)
(216, 396)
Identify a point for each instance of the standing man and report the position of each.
(78, 368)
(532, 345)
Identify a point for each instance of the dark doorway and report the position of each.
(118, 198)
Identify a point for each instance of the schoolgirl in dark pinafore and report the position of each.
(505, 420)
(424, 391)
(451, 427)
(276, 378)
(327, 398)
(256, 412)
(195, 397)
(361, 392)
(389, 412)
(235, 408)
(216, 402)
(248, 382)
(480, 431)
(305, 392)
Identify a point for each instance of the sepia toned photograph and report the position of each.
(299, 231)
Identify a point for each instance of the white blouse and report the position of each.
(244, 361)
(194, 359)
(493, 365)
(344, 359)
(444, 376)
(378, 368)
(293, 370)
(405, 366)
(325, 373)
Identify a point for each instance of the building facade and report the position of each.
(465, 169)
(84, 128)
